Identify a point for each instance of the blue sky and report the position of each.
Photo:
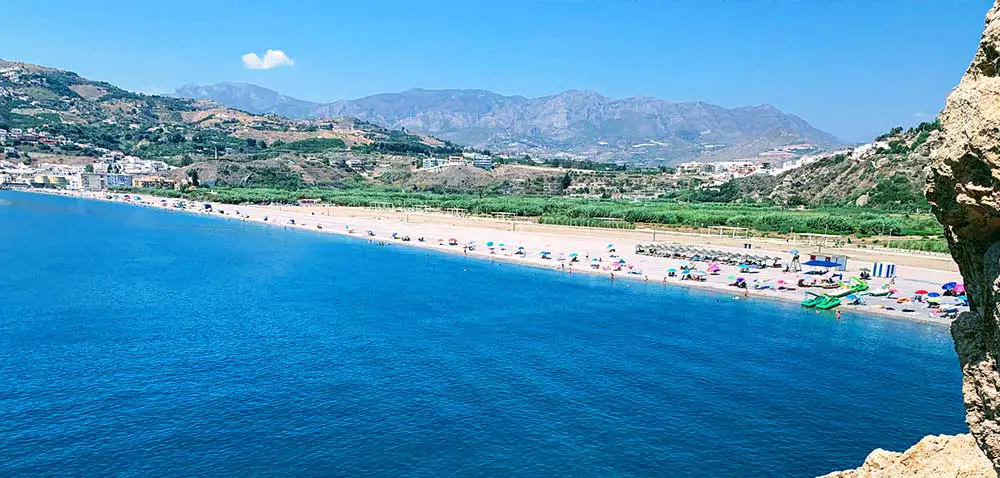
(851, 67)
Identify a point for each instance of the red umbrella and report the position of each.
(920, 292)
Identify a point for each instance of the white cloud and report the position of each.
(271, 59)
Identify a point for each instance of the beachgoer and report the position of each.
(838, 314)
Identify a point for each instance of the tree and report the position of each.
(186, 160)
(566, 181)
(193, 175)
(88, 168)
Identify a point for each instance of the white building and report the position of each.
(483, 163)
(435, 162)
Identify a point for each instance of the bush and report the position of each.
(313, 145)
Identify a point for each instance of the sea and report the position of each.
(145, 342)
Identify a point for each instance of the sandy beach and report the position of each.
(453, 234)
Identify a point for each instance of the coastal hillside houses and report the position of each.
(118, 181)
(153, 182)
(116, 161)
(94, 182)
(724, 169)
(102, 181)
(471, 159)
(44, 175)
(116, 171)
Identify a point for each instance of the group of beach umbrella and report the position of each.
(677, 251)
(951, 289)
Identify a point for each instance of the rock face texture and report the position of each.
(964, 190)
(934, 456)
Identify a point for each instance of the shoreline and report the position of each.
(306, 219)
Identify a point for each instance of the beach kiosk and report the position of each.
(841, 261)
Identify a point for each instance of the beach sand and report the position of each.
(914, 272)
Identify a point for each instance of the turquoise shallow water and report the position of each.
(139, 342)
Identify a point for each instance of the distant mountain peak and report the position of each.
(578, 122)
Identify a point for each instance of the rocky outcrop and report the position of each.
(964, 191)
(934, 456)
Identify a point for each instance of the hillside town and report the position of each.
(109, 170)
(117, 170)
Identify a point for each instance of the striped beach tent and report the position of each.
(884, 269)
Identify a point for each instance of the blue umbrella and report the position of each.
(520, 248)
(933, 294)
(793, 252)
(671, 270)
(573, 254)
(611, 246)
(545, 253)
(949, 286)
(489, 244)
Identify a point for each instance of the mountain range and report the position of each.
(577, 123)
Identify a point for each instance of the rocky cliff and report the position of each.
(964, 191)
(934, 456)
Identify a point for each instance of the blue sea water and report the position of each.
(138, 342)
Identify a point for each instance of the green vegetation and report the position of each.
(561, 210)
(586, 222)
(314, 145)
(930, 244)
(281, 178)
(897, 190)
(402, 143)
